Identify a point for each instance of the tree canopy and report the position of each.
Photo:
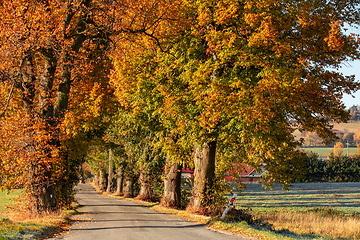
(229, 78)
(246, 74)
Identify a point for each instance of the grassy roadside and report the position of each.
(258, 230)
(16, 224)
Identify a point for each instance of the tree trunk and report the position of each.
(120, 180)
(102, 181)
(110, 184)
(46, 114)
(40, 172)
(48, 197)
(146, 193)
(42, 192)
(204, 160)
(97, 179)
(81, 175)
(172, 185)
(129, 188)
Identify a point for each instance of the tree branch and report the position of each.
(8, 100)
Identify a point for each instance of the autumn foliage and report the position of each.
(239, 80)
(231, 79)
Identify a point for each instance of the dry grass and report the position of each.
(19, 224)
(49, 219)
(328, 210)
(248, 232)
(183, 214)
(315, 223)
(27, 225)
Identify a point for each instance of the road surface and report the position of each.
(110, 218)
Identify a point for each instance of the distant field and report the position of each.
(347, 127)
(324, 152)
(342, 127)
(344, 197)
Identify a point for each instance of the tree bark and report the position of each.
(42, 191)
(204, 159)
(81, 175)
(97, 179)
(40, 172)
(172, 185)
(110, 183)
(146, 192)
(102, 181)
(62, 99)
(129, 188)
(120, 180)
(46, 114)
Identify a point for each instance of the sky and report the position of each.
(350, 69)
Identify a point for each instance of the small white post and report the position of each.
(231, 202)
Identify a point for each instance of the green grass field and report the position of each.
(6, 199)
(325, 151)
(344, 197)
(11, 230)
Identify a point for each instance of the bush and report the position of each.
(239, 215)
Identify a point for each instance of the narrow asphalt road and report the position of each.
(110, 218)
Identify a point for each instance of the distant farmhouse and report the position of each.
(247, 174)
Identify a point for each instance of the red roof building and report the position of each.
(246, 173)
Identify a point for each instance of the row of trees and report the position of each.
(336, 169)
(346, 138)
(311, 139)
(165, 83)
